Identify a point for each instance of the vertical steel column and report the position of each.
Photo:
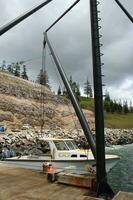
(102, 185)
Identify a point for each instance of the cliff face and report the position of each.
(20, 103)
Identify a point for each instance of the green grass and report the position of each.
(111, 120)
(119, 120)
(87, 103)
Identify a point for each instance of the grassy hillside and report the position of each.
(87, 103)
(111, 120)
(118, 120)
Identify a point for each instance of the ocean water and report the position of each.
(120, 176)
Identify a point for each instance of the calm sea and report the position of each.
(120, 176)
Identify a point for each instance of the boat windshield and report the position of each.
(60, 145)
(65, 145)
(71, 145)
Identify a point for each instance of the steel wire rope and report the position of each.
(60, 84)
(43, 92)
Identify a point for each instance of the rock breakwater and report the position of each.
(27, 141)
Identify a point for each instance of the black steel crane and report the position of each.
(98, 149)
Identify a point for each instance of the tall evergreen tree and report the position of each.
(24, 73)
(17, 70)
(131, 107)
(10, 69)
(43, 78)
(120, 107)
(75, 88)
(107, 102)
(64, 91)
(87, 88)
(107, 96)
(125, 107)
(3, 67)
(112, 109)
(107, 106)
(59, 91)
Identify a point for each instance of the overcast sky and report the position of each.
(72, 41)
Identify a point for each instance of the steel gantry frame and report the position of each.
(98, 149)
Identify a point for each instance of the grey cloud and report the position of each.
(71, 38)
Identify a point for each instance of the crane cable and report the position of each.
(43, 69)
(62, 86)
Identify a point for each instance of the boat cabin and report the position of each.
(63, 149)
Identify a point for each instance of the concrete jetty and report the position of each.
(25, 184)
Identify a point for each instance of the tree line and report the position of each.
(76, 89)
(20, 70)
(17, 69)
(113, 106)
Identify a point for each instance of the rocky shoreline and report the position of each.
(27, 141)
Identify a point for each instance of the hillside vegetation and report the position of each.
(20, 103)
(112, 120)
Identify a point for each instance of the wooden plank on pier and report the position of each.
(77, 180)
(123, 196)
(24, 184)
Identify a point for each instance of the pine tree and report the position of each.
(120, 107)
(131, 107)
(59, 91)
(10, 69)
(75, 88)
(112, 109)
(125, 107)
(107, 96)
(91, 94)
(64, 91)
(107, 106)
(43, 78)
(88, 89)
(115, 106)
(107, 102)
(17, 70)
(3, 67)
(24, 73)
(77, 92)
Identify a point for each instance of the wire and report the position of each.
(43, 69)
(61, 86)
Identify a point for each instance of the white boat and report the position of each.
(61, 153)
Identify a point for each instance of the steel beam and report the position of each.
(62, 15)
(17, 20)
(124, 10)
(73, 99)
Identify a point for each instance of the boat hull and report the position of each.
(79, 165)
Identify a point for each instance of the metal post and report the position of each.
(13, 23)
(74, 101)
(63, 15)
(98, 97)
(124, 10)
